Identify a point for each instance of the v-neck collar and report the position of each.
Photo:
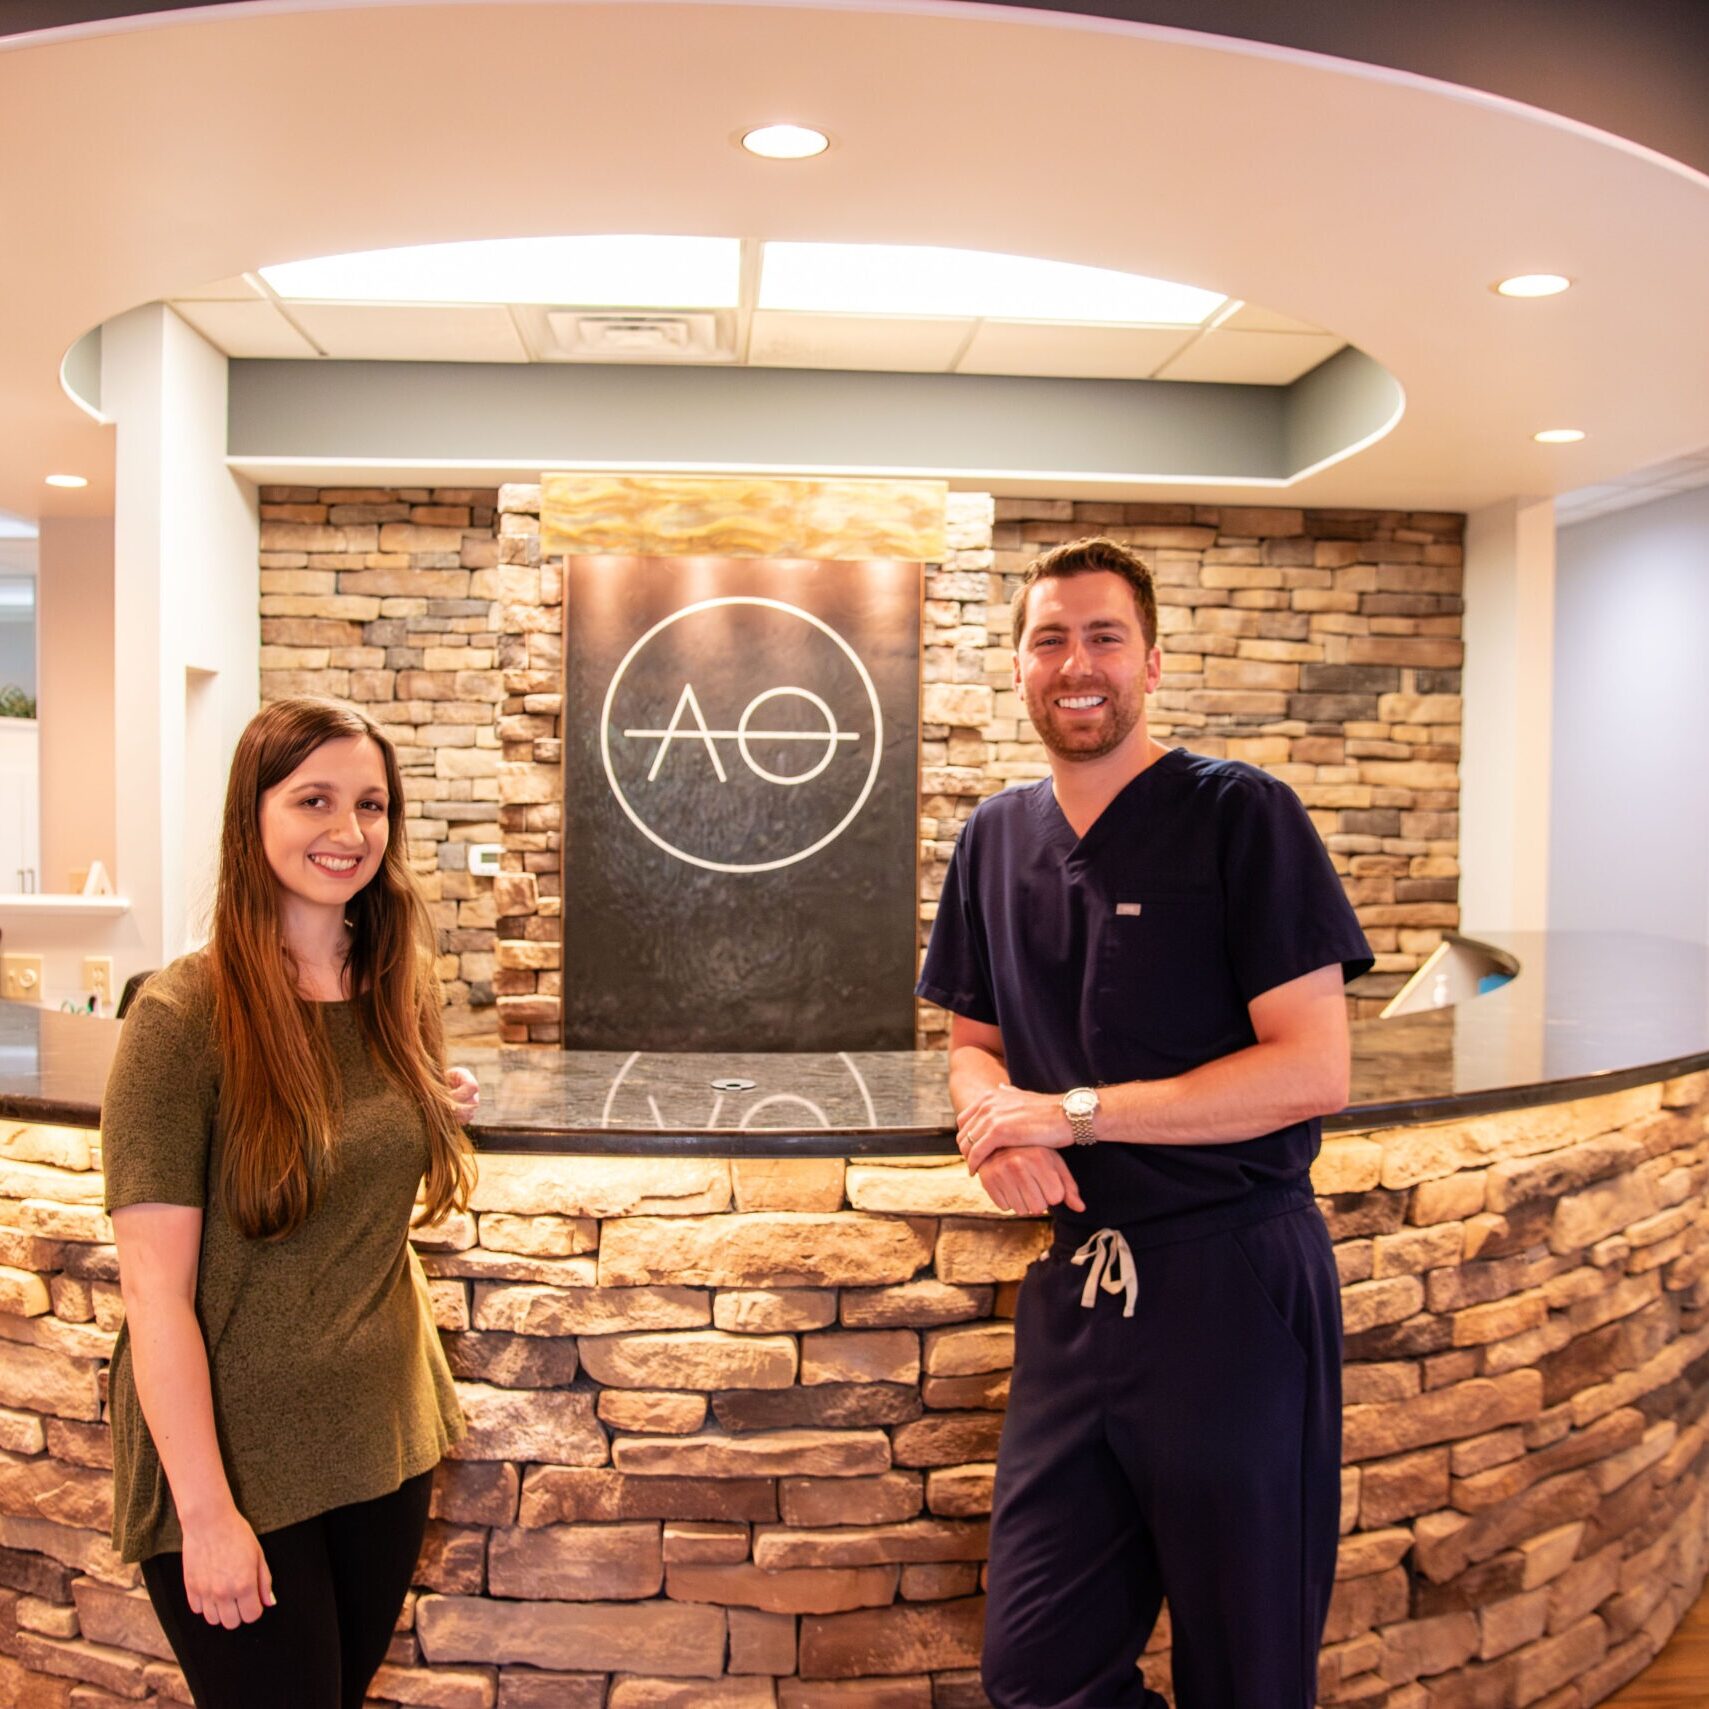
(1062, 835)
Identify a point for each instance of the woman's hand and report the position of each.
(465, 1092)
(226, 1579)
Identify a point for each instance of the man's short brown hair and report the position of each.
(1083, 557)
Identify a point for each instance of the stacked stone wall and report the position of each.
(1322, 645)
(733, 1425)
(390, 598)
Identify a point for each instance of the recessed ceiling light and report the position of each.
(1532, 285)
(67, 480)
(613, 272)
(1559, 436)
(900, 279)
(785, 142)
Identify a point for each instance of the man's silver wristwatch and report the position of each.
(1080, 1105)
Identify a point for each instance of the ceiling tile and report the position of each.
(254, 328)
(1252, 358)
(782, 339)
(1250, 317)
(1072, 352)
(412, 332)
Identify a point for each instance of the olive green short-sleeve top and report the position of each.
(329, 1383)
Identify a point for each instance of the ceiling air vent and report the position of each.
(642, 336)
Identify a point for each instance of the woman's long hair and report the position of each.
(278, 1100)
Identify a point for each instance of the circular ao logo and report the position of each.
(741, 734)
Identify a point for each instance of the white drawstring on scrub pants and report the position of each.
(1112, 1269)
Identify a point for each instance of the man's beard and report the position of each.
(1086, 740)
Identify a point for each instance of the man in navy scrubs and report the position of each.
(1144, 958)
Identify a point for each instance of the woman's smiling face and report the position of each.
(324, 828)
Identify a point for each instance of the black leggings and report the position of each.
(339, 1580)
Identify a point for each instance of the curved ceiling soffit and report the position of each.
(80, 375)
(1270, 437)
(292, 422)
(1632, 71)
(1092, 430)
(1301, 469)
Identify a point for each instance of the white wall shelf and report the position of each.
(38, 904)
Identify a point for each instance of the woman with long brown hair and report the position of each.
(279, 1397)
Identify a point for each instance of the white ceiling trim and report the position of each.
(287, 471)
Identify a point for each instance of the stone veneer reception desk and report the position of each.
(735, 1363)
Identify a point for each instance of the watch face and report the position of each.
(1080, 1103)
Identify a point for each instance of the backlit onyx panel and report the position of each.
(740, 794)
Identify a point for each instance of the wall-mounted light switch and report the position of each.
(98, 977)
(21, 978)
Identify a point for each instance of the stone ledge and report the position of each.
(664, 1475)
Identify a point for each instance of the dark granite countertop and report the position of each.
(1588, 1013)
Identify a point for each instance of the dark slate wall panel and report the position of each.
(741, 744)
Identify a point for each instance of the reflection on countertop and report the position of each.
(1588, 1013)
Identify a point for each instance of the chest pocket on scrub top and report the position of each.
(1162, 978)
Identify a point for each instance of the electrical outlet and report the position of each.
(98, 977)
(21, 978)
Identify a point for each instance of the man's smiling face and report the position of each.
(1083, 666)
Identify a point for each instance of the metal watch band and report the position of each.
(1080, 1122)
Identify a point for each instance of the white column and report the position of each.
(1507, 718)
(186, 590)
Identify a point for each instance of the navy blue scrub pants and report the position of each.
(1189, 1451)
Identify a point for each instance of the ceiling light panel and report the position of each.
(1533, 285)
(786, 142)
(879, 279)
(571, 272)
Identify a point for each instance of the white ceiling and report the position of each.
(1242, 343)
(139, 161)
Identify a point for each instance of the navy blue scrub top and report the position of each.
(1131, 954)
